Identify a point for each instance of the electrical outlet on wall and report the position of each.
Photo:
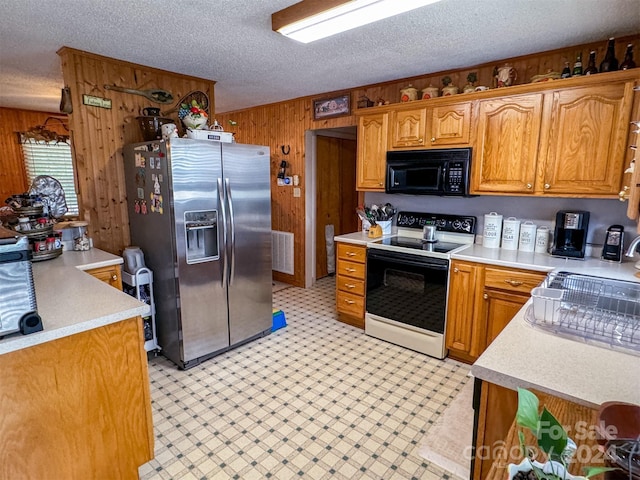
(285, 182)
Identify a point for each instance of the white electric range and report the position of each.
(408, 279)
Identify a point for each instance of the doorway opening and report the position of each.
(332, 199)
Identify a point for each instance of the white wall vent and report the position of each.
(282, 251)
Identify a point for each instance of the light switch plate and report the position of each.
(296, 192)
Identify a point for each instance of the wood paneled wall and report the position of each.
(285, 123)
(99, 134)
(13, 176)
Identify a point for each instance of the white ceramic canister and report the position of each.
(527, 241)
(408, 94)
(492, 230)
(510, 233)
(542, 240)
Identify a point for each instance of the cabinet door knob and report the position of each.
(485, 296)
(380, 184)
(433, 139)
(514, 283)
(529, 186)
(623, 196)
(547, 186)
(455, 270)
(114, 277)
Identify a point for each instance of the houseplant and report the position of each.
(551, 439)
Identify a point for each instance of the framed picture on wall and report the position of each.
(332, 107)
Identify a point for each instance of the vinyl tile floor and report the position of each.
(316, 399)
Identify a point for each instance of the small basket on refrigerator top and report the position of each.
(597, 310)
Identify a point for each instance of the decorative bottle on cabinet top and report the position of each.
(591, 66)
(628, 62)
(610, 62)
(577, 67)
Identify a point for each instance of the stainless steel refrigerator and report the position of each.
(201, 212)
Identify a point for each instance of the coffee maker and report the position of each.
(570, 235)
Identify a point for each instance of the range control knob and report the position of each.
(457, 225)
(441, 223)
(466, 226)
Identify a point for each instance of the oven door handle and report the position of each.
(403, 260)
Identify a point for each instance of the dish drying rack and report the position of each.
(592, 309)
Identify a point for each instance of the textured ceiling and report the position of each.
(231, 42)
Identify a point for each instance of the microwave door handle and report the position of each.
(443, 176)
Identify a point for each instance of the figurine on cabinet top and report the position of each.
(448, 88)
(505, 76)
(472, 78)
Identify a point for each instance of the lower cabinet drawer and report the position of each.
(512, 280)
(350, 285)
(350, 269)
(350, 304)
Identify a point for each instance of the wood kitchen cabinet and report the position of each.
(78, 406)
(463, 334)
(569, 140)
(504, 293)
(408, 128)
(584, 139)
(431, 127)
(506, 147)
(110, 274)
(351, 283)
(449, 125)
(373, 131)
(497, 439)
(482, 301)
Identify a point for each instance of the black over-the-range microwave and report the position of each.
(429, 172)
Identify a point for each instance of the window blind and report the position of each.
(53, 159)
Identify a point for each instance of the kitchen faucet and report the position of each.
(632, 247)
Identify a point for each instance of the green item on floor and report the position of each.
(278, 320)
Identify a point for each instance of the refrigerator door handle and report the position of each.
(223, 210)
(233, 232)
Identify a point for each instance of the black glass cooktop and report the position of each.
(419, 244)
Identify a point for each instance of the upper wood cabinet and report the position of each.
(584, 142)
(431, 127)
(564, 138)
(449, 124)
(506, 147)
(372, 151)
(408, 128)
(568, 141)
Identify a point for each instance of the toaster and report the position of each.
(18, 311)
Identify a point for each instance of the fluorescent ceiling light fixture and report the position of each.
(307, 22)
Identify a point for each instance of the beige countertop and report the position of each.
(544, 262)
(71, 301)
(528, 357)
(358, 238)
